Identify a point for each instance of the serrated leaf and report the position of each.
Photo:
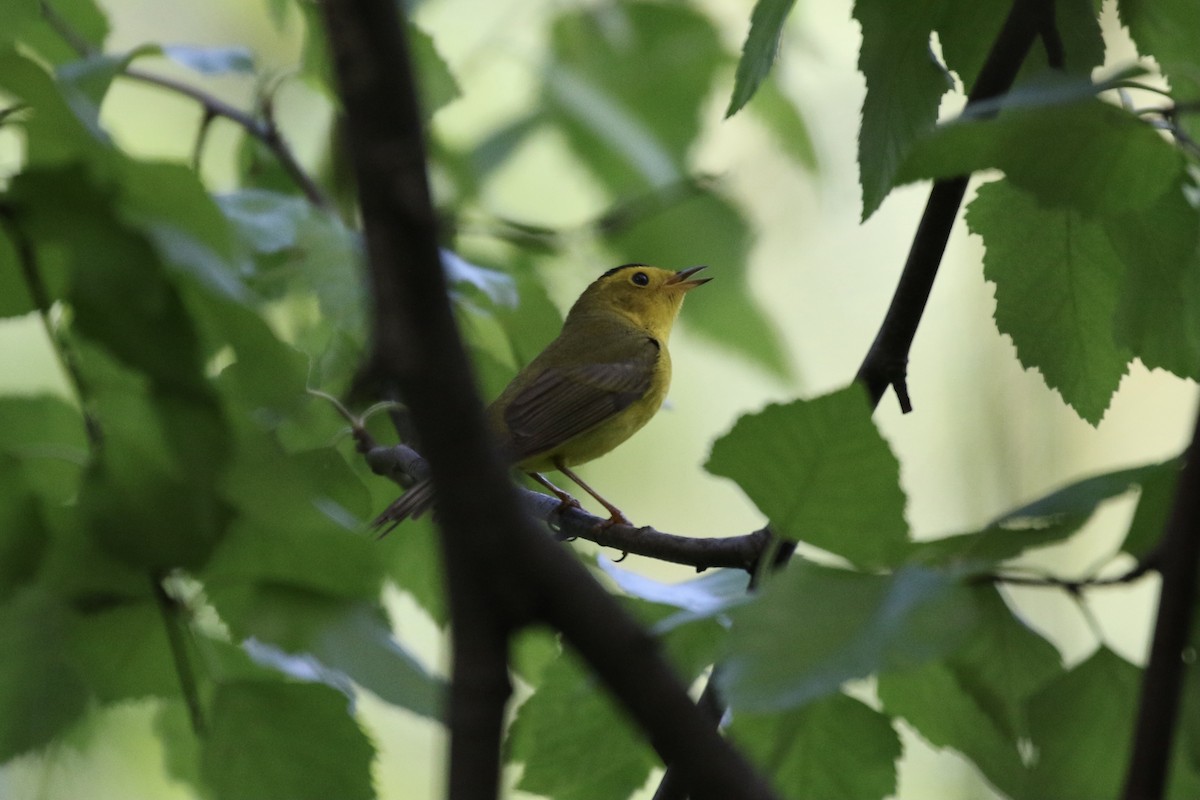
(932, 699)
(1088, 156)
(905, 84)
(982, 550)
(627, 83)
(1083, 496)
(834, 747)
(821, 473)
(726, 312)
(124, 652)
(298, 741)
(1080, 725)
(42, 689)
(814, 628)
(574, 743)
(1057, 290)
(1165, 29)
(758, 54)
(211, 60)
(1158, 317)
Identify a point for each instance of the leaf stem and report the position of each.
(169, 609)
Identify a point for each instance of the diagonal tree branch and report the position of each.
(1158, 709)
(886, 363)
(502, 572)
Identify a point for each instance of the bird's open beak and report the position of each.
(681, 278)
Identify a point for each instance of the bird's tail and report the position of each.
(412, 504)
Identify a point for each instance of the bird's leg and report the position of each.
(565, 499)
(614, 513)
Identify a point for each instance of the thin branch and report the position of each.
(27, 258)
(886, 363)
(1162, 680)
(1075, 586)
(265, 129)
(168, 607)
(501, 571)
(405, 466)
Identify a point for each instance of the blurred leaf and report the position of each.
(15, 300)
(758, 54)
(982, 550)
(713, 590)
(85, 82)
(1080, 725)
(1153, 508)
(782, 118)
(45, 435)
(54, 134)
(627, 81)
(833, 747)
(497, 287)
(932, 699)
(414, 562)
(1087, 157)
(813, 628)
(23, 534)
(83, 18)
(344, 640)
(1158, 316)
(124, 652)
(1057, 290)
(1082, 497)
(821, 473)
(1165, 29)
(966, 31)
(905, 84)
(253, 751)
(437, 84)
(574, 743)
(211, 60)
(42, 689)
(717, 235)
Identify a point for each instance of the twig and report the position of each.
(265, 130)
(1162, 680)
(1075, 586)
(886, 363)
(168, 607)
(405, 466)
(27, 258)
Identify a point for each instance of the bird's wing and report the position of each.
(564, 402)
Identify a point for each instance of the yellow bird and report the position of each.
(592, 388)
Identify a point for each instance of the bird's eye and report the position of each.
(640, 278)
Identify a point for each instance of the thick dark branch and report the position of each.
(265, 129)
(404, 465)
(1158, 709)
(886, 363)
(500, 570)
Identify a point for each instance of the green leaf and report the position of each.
(15, 300)
(45, 436)
(1080, 726)
(211, 60)
(1165, 29)
(976, 700)
(933, 700)
(1057, 290)
(814, 628)
(23, 534)
(1082, 497)
(758, 54)
(821, 473)
(54, 134)
(966, 32)
(30, 27)
(85, 82)
(347, 640)
(437, 84)
(574, 743)
(42, 689)
(1153, 508)
(834, 747)
(627, 83)
(905, 84)
(1089, 156)
(725, 313)
(285, 740)
(1158, 317)
(124, 652)
(982, 550)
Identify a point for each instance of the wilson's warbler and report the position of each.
(592, 388)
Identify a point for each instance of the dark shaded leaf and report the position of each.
(758, 54)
